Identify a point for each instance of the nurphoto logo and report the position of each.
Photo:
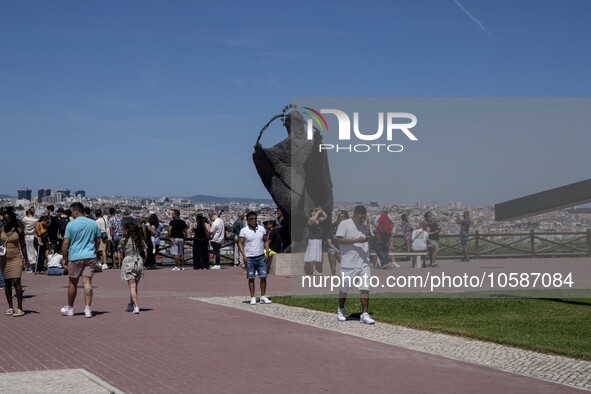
(391, 122)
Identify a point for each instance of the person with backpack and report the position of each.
(384, 226)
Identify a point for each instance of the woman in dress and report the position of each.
(200, 244)
(156, 228)
(12, 259)
(148, 233)
(30, 221)
(133, 249)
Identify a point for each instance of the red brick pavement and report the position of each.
(181, 345)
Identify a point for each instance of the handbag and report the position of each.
(135, 261)
(104, 235)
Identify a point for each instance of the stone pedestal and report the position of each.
(287, 264)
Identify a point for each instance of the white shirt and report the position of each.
(420, 238)
(253, 240)
(217, 231)
(54, 260)
(29, 223)
(103, 226)
(354, 255)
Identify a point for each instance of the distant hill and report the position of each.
(226, 200)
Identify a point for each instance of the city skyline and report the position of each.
(167, 99)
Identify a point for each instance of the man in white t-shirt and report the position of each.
(353, 237)
(252, 247)
(217, 236)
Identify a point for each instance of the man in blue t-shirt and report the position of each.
(81, 243)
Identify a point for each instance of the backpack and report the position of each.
(385, 228)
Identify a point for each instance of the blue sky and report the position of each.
(167, 97)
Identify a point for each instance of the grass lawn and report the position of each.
(559, 326)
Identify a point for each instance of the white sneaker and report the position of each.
(176, 269)
(366, 319)
(67, 311)
(341, 314)
(136, 310)
(129, 307)
(216, 267)
(182, 268)
(265, 300)
(396, 264)
(253, 300)
(105, 267)
(87, 312)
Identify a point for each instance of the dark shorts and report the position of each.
(256, 265)
(464, 240)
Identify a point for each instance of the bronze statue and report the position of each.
(297, 175)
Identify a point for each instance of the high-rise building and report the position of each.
(24, 194)
(65, 192)
(80, 193)
(41, 193)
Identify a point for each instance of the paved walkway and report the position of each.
(182, 342)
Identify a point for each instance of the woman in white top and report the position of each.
(29, 221)
(55, 263)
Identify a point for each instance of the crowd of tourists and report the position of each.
(78, 242)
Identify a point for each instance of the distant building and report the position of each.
(50, 199)
(24, 194)
(65, 192)
(219, 208)
(42, 193)
(80, 193)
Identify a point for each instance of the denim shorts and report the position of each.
(464, 240)
(55, 271)
(115, 243)
(256, 265)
